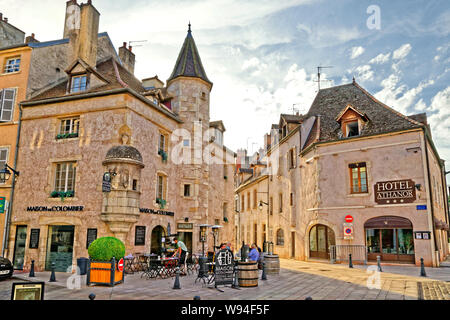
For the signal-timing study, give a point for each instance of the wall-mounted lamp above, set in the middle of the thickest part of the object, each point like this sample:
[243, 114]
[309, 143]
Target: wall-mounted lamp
[418, 186]
[5, 174]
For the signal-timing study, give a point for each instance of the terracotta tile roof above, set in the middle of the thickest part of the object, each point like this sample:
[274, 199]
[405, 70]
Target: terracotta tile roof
[330, 102]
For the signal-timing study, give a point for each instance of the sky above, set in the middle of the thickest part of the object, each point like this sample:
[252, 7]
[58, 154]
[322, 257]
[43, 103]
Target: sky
[262, 56]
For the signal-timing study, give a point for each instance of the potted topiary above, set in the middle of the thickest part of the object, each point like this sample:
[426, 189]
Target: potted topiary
[104, 255]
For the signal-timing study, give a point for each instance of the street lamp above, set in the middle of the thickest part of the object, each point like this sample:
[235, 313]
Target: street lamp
[266, 244]
[215, 232]
[5, 174]
[203, 229]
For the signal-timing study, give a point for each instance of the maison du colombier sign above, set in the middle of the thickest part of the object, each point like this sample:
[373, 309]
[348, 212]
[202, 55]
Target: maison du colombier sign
[395, 192]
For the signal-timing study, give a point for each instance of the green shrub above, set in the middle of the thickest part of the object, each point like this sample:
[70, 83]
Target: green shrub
[106, 248]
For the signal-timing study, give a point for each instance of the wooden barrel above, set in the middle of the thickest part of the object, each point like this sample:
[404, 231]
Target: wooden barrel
[248, 274]
[272, 264]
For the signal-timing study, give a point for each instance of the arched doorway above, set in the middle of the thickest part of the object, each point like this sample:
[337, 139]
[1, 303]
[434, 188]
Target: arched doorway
[391, 238]
[156, 242]
[320, 239]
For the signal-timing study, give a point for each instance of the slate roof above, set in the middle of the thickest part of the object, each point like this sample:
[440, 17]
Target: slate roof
[290, 118]
[331, 101]
[189, 63]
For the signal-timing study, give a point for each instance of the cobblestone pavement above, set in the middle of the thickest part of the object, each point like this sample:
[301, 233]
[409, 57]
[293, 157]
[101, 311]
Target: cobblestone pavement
[297, 280]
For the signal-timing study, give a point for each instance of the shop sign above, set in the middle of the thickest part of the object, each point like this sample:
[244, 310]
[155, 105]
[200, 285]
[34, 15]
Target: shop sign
[185, 226]
[56, 208]
[158, 212]
[106, 185]
[2, 205]
[348, 231]
[395, 192]
[224, 268]
[34, 238]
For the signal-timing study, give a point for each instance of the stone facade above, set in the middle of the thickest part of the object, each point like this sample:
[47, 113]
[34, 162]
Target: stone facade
[322, 197]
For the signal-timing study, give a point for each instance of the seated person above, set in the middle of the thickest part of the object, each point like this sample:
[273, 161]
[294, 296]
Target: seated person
[254, 253]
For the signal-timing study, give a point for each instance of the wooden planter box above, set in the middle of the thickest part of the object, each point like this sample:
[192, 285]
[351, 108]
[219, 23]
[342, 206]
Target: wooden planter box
[104, 273]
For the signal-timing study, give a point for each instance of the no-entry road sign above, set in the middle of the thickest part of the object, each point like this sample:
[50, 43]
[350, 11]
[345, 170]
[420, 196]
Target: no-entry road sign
[348, 219]
[120, 265]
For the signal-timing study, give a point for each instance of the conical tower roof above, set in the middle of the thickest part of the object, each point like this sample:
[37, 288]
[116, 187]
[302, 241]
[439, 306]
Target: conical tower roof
[189, 63]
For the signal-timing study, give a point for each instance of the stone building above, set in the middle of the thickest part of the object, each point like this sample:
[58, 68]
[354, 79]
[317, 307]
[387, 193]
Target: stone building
[352, 176]
[27, 67]
[105, 154]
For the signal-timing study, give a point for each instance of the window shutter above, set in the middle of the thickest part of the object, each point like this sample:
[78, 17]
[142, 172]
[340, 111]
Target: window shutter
[7, 104]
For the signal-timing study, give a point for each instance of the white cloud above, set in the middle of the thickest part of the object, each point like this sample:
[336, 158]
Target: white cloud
[381, 58]
[364, 73]
[402, 52]
[356, 52]
[325, 36]
[440, 121]
[399, 97]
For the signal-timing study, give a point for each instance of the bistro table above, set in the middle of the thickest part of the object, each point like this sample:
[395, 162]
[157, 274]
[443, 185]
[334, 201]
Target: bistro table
[163, 268]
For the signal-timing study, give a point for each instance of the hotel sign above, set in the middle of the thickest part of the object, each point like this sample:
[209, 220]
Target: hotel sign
[395, 192]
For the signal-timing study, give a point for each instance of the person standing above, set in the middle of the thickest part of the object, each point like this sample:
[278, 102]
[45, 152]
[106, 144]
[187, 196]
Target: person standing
[181, 252]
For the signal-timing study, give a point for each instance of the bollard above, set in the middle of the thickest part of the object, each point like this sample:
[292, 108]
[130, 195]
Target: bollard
[176, 284]
[379, 264]
[350, 263]
[31, 275]
[235, 280]
[264, 276]
[197, 298]
[308, 298]
[92, 296]
[53, 276]
[422, 268]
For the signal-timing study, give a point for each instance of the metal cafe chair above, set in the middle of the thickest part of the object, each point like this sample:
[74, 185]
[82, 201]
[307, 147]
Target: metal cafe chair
[153, 269]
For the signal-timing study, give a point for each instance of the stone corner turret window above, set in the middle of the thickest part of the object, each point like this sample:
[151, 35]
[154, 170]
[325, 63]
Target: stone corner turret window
[78, 83]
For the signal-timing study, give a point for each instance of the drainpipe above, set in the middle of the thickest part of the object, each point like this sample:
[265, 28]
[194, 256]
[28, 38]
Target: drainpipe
[430, 192]
[11, 196]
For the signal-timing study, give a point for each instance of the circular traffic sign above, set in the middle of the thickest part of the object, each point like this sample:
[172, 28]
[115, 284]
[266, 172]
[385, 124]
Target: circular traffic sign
[120, 265]
[349, 219]
[348, 231]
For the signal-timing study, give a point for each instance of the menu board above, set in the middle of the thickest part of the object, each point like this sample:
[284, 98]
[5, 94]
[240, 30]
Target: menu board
[139, 239]
[91, 237]
[34, 238]
[224, 270]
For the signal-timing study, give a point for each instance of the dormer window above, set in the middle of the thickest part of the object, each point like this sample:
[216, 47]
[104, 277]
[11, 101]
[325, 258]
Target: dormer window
[352, 121]
[352, 129]
[79, 83]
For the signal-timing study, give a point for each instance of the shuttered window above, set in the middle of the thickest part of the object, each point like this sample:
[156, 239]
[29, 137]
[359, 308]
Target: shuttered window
[7, 97]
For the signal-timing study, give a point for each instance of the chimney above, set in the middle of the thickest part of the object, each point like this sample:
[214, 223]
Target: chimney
[31, 39]
[82, 22]
[1, 16]
[127, 57]
[6, 20]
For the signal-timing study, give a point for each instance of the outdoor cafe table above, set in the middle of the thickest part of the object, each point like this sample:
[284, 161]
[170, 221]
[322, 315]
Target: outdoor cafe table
[165, 267]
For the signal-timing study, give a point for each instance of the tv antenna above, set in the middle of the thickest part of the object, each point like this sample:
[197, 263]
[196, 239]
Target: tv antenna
[319, 70]
[295, 109]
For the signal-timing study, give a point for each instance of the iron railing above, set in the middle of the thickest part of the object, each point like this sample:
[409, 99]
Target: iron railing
[340, 253]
